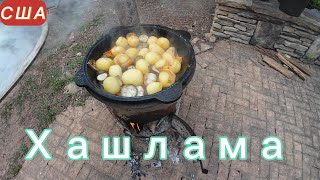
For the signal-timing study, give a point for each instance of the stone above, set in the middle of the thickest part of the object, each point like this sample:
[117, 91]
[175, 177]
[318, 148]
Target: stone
[291, 39]
[282, 47]
[266, 34]
[220, 34]
[306, 44]
[220, 12]
[288, 29]
[71, 88]
[306, 40]
[229, 9]
[195, 40]
[232, 29]
[79, 54]
[314, 50]
[205, 47]
[248, 26]
[242, 28]
[242, 19]
[239, 40]
[228, 19]
[196, 49]
[296, 46]
[233, 34]
[305, 35]
[304, 29]
[209, 37]
[236, 3]
[292, 54]
[216, 25]
[223, 22]
[247, 33]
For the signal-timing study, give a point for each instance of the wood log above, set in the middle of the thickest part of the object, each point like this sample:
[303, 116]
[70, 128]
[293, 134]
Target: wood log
[277, 66]
[291, 66]
[299, 66]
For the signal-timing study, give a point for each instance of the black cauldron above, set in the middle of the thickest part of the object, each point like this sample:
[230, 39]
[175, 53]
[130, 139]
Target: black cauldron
[150, 107]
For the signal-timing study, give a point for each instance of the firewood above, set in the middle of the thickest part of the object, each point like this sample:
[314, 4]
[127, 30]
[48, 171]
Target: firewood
[291, 66]
[277, 66]
[299, 66]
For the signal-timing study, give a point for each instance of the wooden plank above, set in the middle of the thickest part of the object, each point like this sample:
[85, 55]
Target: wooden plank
[277, 66]
[291, 66]
[299, 66]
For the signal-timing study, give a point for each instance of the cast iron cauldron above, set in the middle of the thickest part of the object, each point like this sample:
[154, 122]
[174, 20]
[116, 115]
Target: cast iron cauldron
[146, 108]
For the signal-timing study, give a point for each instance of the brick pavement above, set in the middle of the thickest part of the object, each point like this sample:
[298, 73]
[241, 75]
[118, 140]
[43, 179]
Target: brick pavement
[231, 94]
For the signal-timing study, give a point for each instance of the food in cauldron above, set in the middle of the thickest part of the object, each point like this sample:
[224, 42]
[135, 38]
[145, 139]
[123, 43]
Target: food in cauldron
[137, 66]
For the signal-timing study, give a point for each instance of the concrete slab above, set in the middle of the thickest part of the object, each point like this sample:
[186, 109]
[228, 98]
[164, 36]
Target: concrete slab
[18, 47]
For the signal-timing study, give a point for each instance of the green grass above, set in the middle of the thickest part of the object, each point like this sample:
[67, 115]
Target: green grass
[75, 62]
[316, 3]
[7, 111]
[15, 167]
[45, 114]
[93, 23]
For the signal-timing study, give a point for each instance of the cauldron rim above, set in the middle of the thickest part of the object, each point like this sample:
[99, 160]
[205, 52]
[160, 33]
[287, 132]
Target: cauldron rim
[168, 95]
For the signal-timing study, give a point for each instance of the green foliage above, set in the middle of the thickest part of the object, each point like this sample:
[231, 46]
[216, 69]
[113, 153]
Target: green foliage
[316, 3]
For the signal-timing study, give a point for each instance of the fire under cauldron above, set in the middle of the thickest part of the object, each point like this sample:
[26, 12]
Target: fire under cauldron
[140, 110]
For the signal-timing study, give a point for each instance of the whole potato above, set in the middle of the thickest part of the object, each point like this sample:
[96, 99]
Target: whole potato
[167, 78]
[132, 52]
[123, 60]
[143, 52]
[152, 57]
[117, 50]
[143, 66]
[133, 41]
[115, 70]
[103, 64]
[121, 41]
[175, 67]
[152, 40]
[164, 43]
[132, 77]
[154, 87]
[161, 64]
[156, 48]
[168, 57]
[111, 85]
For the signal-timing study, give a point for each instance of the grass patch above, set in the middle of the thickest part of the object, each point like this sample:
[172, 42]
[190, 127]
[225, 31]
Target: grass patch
[45, 114]
[75, 62]
[93, 23]
[7, 111]
[15, 166]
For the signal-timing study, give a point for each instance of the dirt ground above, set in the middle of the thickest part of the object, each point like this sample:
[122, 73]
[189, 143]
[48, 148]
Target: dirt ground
[40, 94]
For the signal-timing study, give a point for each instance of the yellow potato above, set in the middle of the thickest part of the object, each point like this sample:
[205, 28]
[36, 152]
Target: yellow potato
[111, 85]
[175, 67]
[123, 60]
[154, 87]
[132, 52]
[143, 66]
[121, 41]
[156, 48]
[103, 64]
[117, 50]
[168, 57]
[164, 43]
[132, 77]
[143, 52]
[152, 57]
[115, 70]
[133, 41]
[161, 64]
[172, 51]
[152, 40]
[130, 34]
[167, 78]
